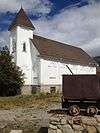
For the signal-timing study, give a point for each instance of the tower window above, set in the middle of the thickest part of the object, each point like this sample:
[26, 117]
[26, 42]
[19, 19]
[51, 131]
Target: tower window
[14, 47]
[24, 47]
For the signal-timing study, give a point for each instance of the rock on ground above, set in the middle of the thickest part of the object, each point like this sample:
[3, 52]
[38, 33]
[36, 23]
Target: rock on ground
[16, 131]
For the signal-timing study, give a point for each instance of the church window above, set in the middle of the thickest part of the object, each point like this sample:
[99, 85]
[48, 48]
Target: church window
[14, 47]
[24, 47]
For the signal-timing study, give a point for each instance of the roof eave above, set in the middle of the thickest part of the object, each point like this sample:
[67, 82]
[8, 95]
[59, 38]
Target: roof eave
[11, 27]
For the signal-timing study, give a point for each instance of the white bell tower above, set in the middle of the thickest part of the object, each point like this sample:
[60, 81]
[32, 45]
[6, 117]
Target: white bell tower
[21, 31]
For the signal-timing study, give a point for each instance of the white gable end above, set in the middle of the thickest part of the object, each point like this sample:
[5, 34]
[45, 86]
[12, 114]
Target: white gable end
[51, 71]
[35, 65]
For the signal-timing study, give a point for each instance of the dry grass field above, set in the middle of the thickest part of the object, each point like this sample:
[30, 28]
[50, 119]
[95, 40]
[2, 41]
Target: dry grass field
[39, 101]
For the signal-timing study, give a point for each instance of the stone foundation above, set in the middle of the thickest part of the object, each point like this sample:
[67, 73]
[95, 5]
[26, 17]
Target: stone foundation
[26, 90]
[62, 123]
[35, 89]
[30, 89]
[47, 88]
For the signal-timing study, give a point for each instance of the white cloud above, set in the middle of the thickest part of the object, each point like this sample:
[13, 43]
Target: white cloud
[93, 47]
[4, 38]
[37, 6]
[76, 26]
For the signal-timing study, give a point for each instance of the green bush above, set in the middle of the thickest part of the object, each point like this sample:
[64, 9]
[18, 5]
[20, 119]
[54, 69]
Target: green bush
[11, 77]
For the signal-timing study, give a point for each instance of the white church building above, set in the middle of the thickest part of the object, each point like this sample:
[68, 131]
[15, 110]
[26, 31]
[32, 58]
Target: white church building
[44, 61]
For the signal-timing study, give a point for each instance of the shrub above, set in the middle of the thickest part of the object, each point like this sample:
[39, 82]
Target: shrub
[11, 77]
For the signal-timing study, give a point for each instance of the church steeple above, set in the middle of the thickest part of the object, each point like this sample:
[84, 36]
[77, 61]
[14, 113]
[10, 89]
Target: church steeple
[21, 19]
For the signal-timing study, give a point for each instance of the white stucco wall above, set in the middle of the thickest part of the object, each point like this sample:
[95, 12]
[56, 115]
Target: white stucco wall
[35, 65]
[23, 59]
[51, 72]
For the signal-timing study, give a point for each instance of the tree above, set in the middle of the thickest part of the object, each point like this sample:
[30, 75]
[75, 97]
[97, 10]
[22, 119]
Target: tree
[11, 77]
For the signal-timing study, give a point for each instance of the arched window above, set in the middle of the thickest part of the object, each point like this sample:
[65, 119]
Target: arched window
[24, 47]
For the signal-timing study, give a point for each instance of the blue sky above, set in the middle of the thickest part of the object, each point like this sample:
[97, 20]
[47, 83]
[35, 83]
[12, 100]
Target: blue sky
[76, 22]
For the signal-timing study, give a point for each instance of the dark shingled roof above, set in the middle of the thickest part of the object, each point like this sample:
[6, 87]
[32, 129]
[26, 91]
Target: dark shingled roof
[57, 50]
[21, 19]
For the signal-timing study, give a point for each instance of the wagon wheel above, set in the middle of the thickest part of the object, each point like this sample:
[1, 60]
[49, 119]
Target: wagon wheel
[92, 110]
[74, 110]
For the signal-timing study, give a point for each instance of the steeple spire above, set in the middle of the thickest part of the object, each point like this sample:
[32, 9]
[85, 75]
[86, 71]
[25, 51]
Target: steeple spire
[21, 19]
[21, 6]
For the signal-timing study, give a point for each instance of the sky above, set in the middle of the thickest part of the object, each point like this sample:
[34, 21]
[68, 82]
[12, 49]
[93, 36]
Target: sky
[74, 22]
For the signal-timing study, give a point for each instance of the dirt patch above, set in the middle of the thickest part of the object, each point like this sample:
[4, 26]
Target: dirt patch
[27, 113]
[30, 120]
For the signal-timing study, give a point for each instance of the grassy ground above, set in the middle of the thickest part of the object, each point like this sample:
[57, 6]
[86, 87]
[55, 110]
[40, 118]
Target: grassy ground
[30, 101]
